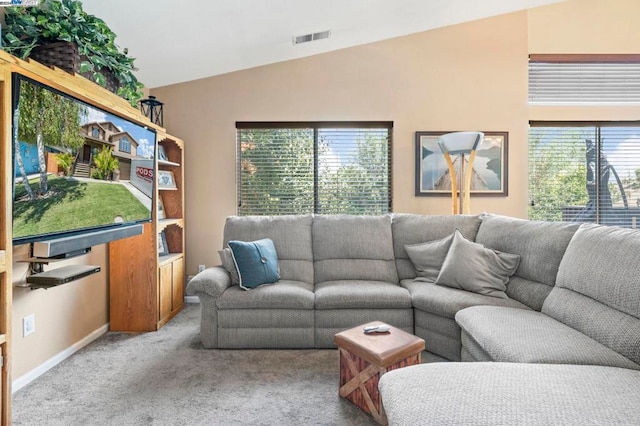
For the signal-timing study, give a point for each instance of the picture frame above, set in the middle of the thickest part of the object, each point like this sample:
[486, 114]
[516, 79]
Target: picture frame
[162, 154]
[161, 212]
[166, 180]
[491, 166]
[163, 248]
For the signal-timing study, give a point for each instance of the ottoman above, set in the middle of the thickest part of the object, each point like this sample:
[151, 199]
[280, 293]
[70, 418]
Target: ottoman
[364, 358]
[496, 393]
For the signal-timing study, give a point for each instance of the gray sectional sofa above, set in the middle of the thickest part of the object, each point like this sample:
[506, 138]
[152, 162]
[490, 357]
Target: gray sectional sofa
[572, 312]
[572, 360]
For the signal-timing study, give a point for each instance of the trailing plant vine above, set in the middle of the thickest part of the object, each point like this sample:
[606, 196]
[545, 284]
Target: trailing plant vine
[65, 20]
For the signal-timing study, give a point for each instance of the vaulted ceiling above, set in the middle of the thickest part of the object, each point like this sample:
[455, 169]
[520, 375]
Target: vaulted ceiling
[175, 42]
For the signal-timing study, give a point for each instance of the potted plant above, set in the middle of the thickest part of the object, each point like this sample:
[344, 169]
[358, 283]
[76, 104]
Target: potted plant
[65, 26]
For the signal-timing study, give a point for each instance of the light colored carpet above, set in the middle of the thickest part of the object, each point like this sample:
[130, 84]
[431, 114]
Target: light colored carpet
[168, 378]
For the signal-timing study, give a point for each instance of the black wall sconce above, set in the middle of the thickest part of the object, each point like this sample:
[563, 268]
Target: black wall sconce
[152, 108]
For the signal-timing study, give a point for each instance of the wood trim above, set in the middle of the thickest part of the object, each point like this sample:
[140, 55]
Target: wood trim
[6, 281]
[574, 123]
[77, 87]
[314, 124]
[585, 58]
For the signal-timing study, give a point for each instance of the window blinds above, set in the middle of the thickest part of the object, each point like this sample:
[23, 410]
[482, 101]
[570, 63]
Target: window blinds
[585, 173]
[296, 168]
[584, 80]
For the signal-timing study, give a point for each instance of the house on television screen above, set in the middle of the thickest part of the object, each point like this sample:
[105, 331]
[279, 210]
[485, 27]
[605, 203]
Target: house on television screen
[100, 134]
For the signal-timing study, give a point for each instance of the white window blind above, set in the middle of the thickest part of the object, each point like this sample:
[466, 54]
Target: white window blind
[584, 80]
[325, 168]
[585, 173]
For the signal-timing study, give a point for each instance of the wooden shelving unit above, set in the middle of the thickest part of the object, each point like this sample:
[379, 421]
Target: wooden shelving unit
[146, 288]
[140, 275]
[171, 266]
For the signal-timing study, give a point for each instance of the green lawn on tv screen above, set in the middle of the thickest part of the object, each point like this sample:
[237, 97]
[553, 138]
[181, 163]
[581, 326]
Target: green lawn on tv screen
[71, 204]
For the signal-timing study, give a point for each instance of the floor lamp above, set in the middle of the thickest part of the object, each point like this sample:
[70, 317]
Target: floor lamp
[460, 143]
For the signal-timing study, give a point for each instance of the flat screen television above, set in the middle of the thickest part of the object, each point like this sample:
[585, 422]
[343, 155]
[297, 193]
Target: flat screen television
[76, 168]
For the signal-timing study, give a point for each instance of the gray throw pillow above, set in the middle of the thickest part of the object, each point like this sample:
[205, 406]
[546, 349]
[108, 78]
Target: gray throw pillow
[227, 263]
[472, 267]
[427, 258]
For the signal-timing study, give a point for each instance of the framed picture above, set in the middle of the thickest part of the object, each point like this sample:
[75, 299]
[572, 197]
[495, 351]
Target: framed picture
[490, 168]
[162, 154]
[163, 248]
[166, 179]
[161, 213]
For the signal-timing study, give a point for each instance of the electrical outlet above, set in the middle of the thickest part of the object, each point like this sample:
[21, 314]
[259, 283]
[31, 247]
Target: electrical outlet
[28, 325]
[201, 268]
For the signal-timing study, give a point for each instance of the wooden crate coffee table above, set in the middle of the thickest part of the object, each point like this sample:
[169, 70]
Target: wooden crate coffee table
[364, 358]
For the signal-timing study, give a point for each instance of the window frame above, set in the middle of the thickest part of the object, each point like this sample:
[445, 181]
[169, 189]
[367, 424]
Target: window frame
[124, 140]
[597, 125]
[316, 126]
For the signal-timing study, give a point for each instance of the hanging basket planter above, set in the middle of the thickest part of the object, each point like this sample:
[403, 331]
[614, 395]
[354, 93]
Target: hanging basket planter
[65, 56]
[60, 33]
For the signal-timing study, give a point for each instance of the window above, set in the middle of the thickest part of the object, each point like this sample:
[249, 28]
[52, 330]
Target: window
[325, 168]
[585, 172]
[125, 145]
[584, 79]
[95, 132]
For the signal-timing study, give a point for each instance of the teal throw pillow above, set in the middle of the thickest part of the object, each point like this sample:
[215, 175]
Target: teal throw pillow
[256, 262]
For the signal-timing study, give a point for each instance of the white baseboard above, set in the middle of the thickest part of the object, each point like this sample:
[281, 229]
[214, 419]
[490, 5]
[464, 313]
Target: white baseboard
[191, 299]
[24, 380]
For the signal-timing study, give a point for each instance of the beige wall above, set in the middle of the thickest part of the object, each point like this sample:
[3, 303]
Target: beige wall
[471, 76]
[64, 314]
[585, 26]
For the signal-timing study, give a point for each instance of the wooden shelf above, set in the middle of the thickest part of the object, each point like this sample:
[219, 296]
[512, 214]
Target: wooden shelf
[168, 163]
[147, 290]
[168, 258]
[163, 223]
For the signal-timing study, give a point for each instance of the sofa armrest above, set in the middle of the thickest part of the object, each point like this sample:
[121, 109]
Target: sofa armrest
[212, 281]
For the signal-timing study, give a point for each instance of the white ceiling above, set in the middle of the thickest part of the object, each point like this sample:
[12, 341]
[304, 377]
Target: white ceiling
[175, 41]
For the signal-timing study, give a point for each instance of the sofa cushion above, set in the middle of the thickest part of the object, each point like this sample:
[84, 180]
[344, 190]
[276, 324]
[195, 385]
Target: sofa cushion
[359, 294]
[328, 322]
[472, 267]
[291, 235]
[353, 248]
[510, 394]
[285, 294]
[540, 245]
[414, 229]
[516, 335]
[427, 258]
[598, 288]
[446, 301]
[256, 262]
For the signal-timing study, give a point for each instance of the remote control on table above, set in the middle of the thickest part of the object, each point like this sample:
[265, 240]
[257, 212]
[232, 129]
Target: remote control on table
[381, 328]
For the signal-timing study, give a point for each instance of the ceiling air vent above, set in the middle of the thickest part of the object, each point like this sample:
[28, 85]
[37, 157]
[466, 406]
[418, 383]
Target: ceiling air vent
[311, 37]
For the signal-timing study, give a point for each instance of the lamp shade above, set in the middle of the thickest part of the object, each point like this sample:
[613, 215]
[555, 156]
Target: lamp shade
[460, 142]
